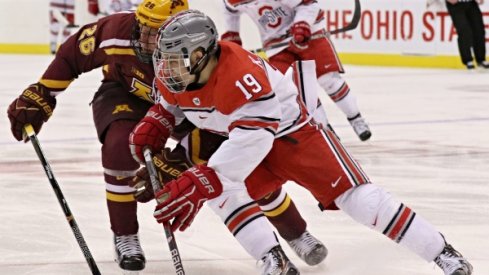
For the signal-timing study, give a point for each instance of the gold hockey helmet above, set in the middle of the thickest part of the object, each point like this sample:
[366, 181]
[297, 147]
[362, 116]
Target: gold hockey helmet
[150, 15]
[153, 13]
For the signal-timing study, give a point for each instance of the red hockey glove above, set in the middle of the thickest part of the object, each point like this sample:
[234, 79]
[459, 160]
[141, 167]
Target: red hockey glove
[233, 37]
[152, 132]
[35, 106]
[181, 199]
[93, 7]
[168, 167]
[301, 33]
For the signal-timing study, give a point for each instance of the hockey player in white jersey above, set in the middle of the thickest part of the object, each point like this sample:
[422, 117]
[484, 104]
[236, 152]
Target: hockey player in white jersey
[302, 23]
[271, 138]
[61, 22]
[196, 146]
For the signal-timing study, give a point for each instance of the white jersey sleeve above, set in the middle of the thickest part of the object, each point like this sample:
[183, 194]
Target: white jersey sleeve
[247, 146]
[238, 156]
[231, 18]
[307, 13]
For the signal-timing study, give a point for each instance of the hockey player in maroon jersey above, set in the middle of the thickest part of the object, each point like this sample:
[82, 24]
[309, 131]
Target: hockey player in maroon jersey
[122, 44]
[301, 23]
[220, 87]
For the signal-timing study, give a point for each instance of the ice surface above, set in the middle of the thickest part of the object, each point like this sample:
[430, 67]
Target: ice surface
[430, 148]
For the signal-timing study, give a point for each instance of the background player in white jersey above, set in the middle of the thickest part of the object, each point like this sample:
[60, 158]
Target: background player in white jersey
[106, 7]
[270, 139]
[302, 23]
[61, 21]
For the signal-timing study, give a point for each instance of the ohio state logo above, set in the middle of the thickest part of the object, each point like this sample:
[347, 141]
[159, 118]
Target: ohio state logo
[271, 17]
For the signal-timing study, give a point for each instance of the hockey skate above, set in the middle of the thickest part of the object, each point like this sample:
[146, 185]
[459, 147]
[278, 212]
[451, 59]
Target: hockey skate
[275, 262]
[452, 262]
[309, 249]
[128, 253]
[53, 47]
[483, 65]
[360, 127]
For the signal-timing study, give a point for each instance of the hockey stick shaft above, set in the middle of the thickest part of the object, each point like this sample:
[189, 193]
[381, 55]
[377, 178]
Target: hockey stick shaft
[170, 237]
[31, 134]
[357, 14]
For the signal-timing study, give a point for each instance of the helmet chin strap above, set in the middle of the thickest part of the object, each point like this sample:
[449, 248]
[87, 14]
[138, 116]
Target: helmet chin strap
[200, 65]
[197, 69]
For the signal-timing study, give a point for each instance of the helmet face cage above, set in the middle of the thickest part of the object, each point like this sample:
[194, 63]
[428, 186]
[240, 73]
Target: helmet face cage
[173, 70]
[178, 38]
[143, 41]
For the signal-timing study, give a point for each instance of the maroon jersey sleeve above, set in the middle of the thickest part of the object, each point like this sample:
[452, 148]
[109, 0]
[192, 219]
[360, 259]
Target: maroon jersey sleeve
[88, 49]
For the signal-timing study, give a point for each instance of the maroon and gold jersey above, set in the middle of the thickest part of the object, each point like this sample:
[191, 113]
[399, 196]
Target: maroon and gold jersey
[107, 44]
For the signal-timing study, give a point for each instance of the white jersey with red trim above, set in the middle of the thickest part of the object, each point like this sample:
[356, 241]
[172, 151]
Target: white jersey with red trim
[113, 6]
[65, 6]
[273, 17]
[246, 99]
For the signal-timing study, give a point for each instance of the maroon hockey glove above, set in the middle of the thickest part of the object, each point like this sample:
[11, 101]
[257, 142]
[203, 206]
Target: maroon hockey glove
[35, 106]
[152, 132]
[233, 37]
[301, 33]
[168, 167]
[93, 7]
[180, 200]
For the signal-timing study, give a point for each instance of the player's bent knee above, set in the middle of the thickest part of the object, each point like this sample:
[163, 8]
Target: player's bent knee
[331, 82]
[370, 205]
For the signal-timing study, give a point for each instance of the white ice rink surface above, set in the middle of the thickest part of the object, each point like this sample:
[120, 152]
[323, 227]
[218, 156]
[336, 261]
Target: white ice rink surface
[430, 148]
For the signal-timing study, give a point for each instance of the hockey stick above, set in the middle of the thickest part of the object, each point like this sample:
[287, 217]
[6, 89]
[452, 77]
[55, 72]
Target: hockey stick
[357, 14]
[31, 134]
[170, 238]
